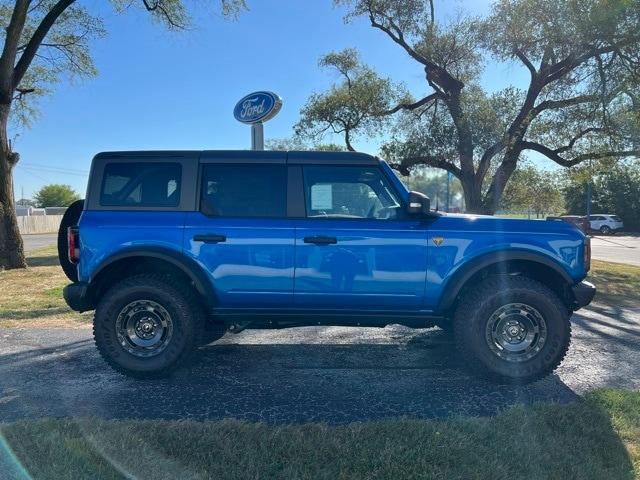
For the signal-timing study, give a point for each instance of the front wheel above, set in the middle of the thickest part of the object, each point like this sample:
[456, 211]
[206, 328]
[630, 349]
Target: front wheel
[146, 326]
[605, 230]
[512, 329]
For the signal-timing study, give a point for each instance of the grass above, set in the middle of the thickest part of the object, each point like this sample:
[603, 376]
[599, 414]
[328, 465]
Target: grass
[618, 284]
[596, 438]
[33, 297]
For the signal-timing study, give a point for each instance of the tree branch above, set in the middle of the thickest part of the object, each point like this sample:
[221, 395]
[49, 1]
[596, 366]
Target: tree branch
[555, 156]
[527, 63]
[37, 38]
[405, 165]
[10, 49]
[157, 6]
[568, 102]
[414, 105]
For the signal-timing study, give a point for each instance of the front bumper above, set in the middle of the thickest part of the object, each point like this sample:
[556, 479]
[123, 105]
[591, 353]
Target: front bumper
[77, 297]
[583, 293]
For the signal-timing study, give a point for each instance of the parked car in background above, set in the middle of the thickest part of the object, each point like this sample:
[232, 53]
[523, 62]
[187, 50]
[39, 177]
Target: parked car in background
[579, 221]
[605, 224]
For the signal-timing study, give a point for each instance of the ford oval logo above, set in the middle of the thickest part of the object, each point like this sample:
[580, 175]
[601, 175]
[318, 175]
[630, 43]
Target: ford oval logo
[257, 107]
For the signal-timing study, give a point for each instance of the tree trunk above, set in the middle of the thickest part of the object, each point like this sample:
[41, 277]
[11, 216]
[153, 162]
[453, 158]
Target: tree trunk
[11, 249]
[472, 194]
[499, 182]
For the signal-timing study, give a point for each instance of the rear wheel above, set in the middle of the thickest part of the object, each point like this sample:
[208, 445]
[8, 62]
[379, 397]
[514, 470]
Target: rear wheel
[512, 329]
[147, 326]
[605, 230]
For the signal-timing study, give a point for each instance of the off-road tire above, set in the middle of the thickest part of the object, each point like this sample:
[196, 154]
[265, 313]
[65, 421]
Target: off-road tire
[475, 310]
[69, 219]
[179, 301]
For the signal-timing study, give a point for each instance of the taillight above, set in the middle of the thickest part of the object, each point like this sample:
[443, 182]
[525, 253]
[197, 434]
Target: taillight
[587, 254]
[73, 241]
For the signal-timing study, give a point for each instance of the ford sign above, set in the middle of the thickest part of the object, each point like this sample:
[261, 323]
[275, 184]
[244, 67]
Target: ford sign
[257, 107]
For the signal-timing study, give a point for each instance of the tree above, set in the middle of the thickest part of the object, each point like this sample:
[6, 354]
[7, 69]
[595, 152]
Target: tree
[45, 41]
[296, 143]
[55, 195]
[583, 62]
[433, 183]
[616, 190]
[357, 104]
[533, 191]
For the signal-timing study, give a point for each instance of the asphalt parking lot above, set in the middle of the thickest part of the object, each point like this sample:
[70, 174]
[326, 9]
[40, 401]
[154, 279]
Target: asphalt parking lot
[326, 374]
[617, 248]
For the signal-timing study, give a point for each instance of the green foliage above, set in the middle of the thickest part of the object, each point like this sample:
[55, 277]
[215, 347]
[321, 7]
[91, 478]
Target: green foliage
[615, 190]
[55, 195]
[64, 54]
[296, 143]
[582, 102]
[433, 183]
[531, 190]
[593, 438]
[353, 106]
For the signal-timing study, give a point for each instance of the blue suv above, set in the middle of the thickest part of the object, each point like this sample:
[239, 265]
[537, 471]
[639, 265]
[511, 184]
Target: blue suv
[173, 249]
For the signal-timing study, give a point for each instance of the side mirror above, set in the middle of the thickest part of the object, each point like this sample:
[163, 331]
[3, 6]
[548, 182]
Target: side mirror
[419, 204]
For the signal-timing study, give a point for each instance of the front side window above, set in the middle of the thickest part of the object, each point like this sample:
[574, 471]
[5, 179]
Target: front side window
[349, 192]
[244, 190]
[141, 185]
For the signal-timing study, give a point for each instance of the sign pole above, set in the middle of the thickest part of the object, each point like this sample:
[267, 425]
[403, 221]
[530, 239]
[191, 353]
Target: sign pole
[257, 136]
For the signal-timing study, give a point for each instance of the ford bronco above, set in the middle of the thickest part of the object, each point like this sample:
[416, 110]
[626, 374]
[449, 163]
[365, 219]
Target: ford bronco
[173, 249]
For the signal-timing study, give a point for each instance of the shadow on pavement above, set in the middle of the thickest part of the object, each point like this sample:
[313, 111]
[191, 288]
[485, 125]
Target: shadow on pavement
[46, 261]
[275, 383]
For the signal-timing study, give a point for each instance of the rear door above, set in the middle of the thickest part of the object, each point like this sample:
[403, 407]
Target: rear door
[355, 247]
[241, 233]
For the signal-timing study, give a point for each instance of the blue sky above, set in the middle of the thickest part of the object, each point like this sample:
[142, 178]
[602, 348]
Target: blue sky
[163, 90]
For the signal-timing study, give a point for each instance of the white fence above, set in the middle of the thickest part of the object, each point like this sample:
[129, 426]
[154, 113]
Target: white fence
[39, 224]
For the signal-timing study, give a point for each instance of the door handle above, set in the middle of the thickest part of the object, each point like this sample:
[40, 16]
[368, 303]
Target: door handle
[320, 240]
[210, 238]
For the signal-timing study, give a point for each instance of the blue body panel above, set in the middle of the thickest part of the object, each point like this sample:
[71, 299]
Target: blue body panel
[108, 233]
[375, 264]
[468, 237]
[253, 267]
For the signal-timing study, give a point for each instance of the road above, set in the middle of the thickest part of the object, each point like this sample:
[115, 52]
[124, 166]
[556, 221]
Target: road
[617, 248]
[327, 374]
[36, 241]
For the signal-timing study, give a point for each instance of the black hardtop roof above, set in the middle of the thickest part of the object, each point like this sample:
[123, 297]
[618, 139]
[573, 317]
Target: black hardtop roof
[251, 156]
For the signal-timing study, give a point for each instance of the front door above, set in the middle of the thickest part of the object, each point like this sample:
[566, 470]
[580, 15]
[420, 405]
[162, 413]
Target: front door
[242, 236]
[356, 248]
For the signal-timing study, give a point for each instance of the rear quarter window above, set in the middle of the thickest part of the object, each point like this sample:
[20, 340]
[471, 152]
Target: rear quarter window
[127, 184]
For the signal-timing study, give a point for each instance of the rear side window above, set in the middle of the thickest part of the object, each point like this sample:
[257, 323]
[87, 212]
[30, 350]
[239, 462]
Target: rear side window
[141, 185]
[616, 218]
[237, 190]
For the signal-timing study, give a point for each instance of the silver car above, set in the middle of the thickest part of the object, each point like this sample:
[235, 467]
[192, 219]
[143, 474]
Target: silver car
[605, 223]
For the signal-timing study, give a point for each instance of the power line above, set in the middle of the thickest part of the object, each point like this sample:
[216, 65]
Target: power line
[61, 171]
[38, 166]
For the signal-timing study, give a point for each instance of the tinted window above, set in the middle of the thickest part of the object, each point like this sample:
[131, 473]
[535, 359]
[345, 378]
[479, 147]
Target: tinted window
[616, 218]
[349, 192]
[244, 190]
[141, 184]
